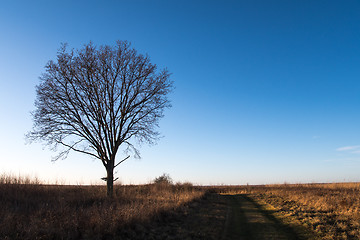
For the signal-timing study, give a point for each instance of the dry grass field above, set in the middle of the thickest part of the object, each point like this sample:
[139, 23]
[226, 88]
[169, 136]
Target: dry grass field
[31, 210]
[329, 211]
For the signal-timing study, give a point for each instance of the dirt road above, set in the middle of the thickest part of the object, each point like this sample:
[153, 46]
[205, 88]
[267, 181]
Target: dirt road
[219, 217]
[248, 220]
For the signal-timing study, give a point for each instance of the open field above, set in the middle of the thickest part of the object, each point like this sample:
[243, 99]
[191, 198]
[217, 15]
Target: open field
[181, 211]
[325, 211]
[33, 211]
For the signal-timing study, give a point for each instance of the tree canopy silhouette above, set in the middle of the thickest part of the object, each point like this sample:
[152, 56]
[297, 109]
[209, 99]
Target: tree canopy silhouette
[97, 99]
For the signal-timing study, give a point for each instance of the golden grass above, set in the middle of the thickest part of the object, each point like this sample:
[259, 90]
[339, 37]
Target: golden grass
[331, 211]
[31, 210]
[13, 179]
[34, 211]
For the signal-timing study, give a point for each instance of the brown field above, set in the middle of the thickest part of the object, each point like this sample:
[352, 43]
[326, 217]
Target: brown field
[329, 211]
[30, 210]
[35, 211]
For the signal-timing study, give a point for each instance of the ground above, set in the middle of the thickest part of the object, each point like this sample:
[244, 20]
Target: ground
[223, 216]
[180, 211]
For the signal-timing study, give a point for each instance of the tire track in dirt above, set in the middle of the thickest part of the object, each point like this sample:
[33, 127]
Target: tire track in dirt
[247, 220]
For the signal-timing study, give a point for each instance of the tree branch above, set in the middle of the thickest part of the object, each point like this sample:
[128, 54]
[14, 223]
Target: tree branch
[121, 161]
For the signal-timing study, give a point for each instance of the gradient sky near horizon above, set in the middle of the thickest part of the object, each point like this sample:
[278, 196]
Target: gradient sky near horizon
[266, 91]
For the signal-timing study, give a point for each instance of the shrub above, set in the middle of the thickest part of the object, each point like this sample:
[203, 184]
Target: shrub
[164, 179]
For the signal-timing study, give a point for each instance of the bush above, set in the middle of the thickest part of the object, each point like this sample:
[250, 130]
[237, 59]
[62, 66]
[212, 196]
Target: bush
[163, 179]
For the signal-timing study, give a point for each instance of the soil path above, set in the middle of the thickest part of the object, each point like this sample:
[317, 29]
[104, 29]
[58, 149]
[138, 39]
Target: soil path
[248, 220]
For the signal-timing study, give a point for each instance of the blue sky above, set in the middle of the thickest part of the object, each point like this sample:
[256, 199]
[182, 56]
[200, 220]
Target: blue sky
[266, 91]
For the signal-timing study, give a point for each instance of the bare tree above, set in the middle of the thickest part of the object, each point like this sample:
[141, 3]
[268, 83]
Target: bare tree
[97, 99]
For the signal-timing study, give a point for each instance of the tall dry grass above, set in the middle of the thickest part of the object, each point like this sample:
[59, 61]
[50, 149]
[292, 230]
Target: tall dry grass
[7, 178]
[332, 211]
[35, 211]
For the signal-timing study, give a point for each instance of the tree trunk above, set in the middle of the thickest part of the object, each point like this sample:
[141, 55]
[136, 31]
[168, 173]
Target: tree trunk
[110, 182]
